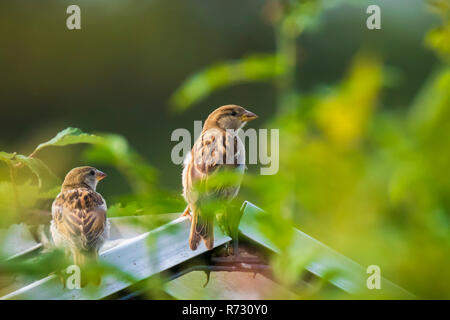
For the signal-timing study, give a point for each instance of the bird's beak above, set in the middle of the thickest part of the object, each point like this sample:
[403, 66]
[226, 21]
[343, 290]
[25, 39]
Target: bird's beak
[248, 116]
[100, 175]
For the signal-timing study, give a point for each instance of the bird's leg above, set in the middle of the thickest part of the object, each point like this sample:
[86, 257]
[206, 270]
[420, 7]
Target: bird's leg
[234, 228]
[187, 212]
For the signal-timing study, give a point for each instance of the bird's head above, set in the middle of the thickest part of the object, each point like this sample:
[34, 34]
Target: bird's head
[229, 117]
[86, 177]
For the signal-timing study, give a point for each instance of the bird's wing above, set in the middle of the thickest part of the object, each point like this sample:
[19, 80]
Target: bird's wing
[80, 217]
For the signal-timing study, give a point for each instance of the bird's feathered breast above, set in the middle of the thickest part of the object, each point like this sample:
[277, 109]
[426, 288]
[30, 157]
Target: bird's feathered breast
[214, 151]
[79, 216]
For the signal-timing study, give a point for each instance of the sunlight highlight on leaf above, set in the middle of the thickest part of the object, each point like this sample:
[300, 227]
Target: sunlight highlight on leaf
[254, 68]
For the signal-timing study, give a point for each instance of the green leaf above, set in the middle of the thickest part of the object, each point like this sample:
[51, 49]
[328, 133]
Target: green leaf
[254, 68]
[70, 136]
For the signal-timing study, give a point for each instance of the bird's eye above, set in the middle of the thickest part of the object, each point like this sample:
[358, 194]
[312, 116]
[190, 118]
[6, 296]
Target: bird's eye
[92, 172]
[233, 113]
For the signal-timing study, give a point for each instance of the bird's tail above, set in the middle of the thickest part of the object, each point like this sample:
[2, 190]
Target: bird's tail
[202, 228]
[87, 260]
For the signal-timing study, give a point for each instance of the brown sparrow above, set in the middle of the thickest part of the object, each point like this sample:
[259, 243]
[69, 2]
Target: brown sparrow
[218, 149]
[79, 223]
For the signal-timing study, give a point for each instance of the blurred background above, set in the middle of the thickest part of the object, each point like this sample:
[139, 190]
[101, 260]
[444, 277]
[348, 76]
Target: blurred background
[363, 114]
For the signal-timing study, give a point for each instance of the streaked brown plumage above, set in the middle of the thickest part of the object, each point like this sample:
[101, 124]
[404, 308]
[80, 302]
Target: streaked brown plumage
[79, 222]
[218, 149]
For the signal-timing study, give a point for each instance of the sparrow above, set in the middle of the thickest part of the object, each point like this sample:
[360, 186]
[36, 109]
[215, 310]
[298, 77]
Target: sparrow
[79, 223]
[218, 149]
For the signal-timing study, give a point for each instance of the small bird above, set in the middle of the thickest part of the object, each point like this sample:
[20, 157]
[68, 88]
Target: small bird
[217, 150]
[79, 223]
